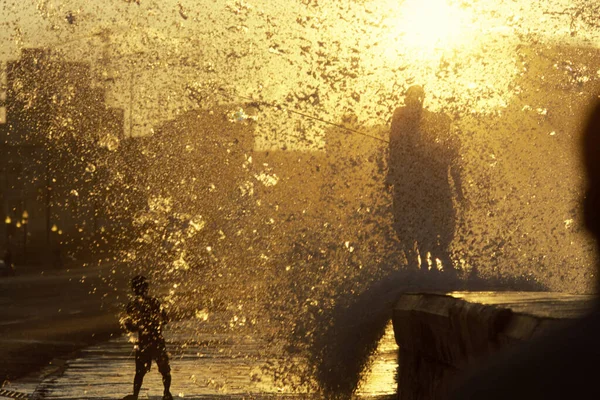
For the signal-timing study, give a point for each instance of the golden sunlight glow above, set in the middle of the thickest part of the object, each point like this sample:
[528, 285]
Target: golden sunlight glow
[429, 25]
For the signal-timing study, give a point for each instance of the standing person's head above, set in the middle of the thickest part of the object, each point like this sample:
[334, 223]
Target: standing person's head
[139, 285]
[414, 96]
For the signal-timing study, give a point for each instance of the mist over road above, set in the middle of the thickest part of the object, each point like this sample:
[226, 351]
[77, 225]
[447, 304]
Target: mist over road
[44, 314]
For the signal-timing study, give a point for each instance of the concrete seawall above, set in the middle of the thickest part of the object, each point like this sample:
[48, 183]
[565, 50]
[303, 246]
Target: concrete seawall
[442, 335]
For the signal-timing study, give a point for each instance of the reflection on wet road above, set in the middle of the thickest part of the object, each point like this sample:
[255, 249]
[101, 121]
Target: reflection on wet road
[206, 363]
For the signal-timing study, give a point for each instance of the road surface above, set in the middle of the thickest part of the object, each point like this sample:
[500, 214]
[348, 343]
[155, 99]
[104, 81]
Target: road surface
[206, 363]
[45, 313]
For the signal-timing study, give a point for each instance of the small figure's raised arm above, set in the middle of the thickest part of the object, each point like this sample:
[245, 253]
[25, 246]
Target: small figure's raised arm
[128, 324]
[164, 316]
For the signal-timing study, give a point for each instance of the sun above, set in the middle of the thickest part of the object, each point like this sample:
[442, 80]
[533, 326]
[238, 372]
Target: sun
[429, 25]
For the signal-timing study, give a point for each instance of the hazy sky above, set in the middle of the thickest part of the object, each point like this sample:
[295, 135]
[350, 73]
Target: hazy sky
[326, 60]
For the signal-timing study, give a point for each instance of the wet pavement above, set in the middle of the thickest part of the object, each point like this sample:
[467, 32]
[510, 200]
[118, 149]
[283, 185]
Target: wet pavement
[45, 313]
[206, 361]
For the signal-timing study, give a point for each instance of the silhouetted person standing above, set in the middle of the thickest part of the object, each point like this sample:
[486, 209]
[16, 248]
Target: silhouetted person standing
[422, 158]
[563, 364]
[146, 317]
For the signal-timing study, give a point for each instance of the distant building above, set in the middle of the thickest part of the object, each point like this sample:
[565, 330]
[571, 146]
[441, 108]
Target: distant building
[54, 124]
[194, 173]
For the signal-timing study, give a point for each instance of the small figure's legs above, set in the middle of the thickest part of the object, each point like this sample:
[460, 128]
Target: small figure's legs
[137, 383]
[165, 370]
[143, 360]
[167, 384]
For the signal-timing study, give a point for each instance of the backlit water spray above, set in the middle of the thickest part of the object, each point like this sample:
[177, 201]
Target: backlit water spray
[250, 183]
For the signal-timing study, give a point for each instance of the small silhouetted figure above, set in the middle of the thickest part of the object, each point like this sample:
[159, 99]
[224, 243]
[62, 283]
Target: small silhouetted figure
[146, 317]
[562, 364]
[423, 170]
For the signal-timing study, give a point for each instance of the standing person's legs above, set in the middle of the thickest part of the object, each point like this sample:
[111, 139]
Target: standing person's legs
[422, 233]
[426, 254]
[447, 263]
[442, 249]
[407, 245]
[403, 226]
[412, 257]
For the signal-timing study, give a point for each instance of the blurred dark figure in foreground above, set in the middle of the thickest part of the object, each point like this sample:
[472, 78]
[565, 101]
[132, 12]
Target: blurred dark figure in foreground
[146, 317]
[422, 157]
[562, 364]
